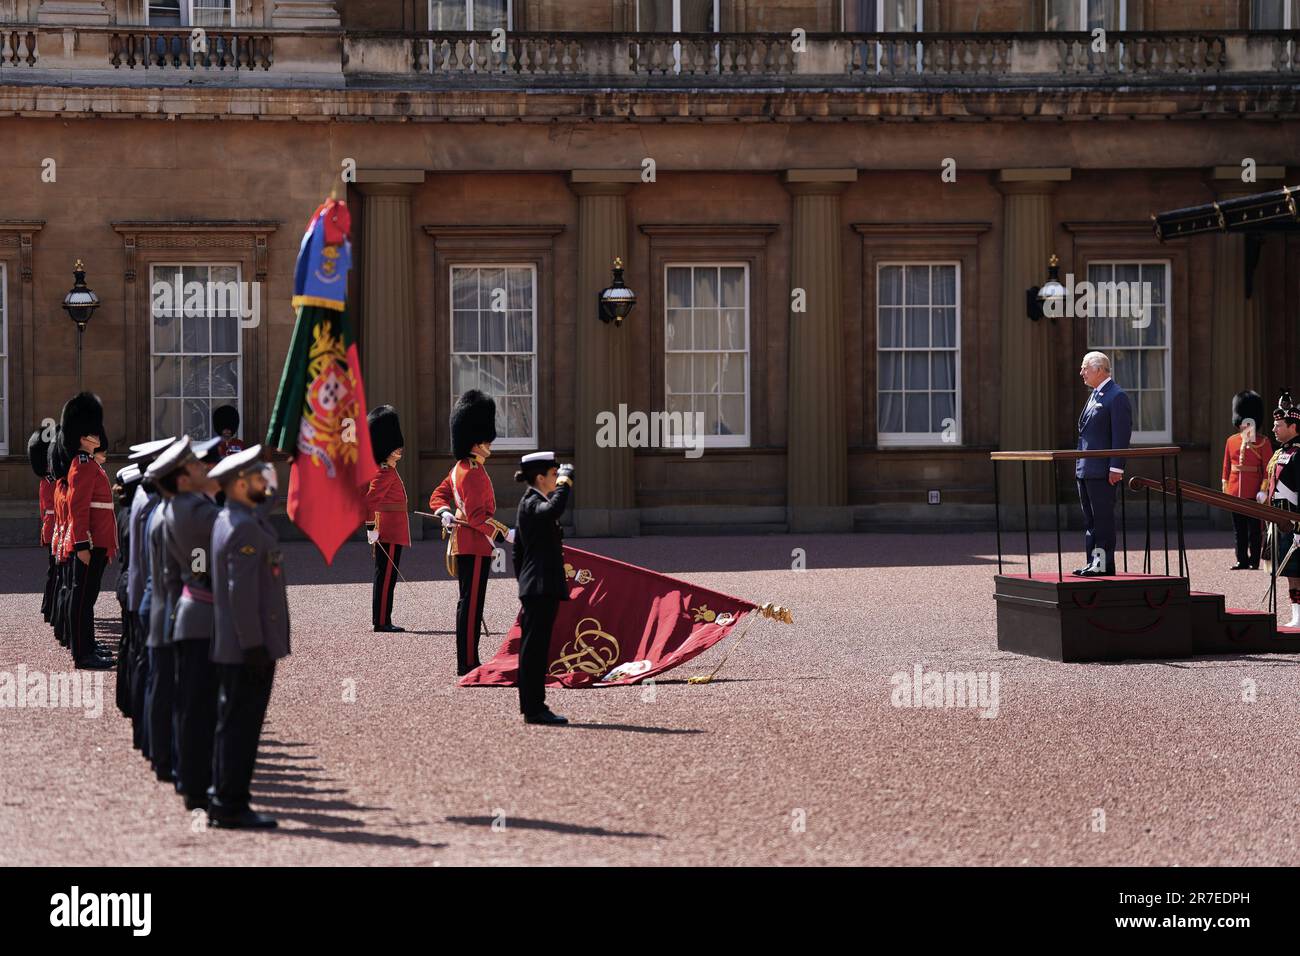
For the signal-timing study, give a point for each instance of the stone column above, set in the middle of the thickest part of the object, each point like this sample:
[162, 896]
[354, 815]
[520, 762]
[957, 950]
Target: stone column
[1237, 335]
[817, 452]
[388, 310]
[1028, 376]
[605, 495]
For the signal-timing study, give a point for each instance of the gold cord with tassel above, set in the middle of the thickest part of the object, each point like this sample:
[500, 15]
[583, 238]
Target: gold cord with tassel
[769, 610]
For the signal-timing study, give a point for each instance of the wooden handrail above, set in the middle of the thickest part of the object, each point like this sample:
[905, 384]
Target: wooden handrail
[1217, 499]
[1069, 454]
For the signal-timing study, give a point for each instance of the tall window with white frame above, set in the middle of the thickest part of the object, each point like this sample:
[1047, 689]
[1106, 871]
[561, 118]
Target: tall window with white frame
[197, 354]
[1084, 16]
[185, 13]
[1136, 337]
[706, 349]
[494, 344]
[882, 16]
[4, 360]
[1272, 14]
[677, 16]
[918, 351]
[476, 15]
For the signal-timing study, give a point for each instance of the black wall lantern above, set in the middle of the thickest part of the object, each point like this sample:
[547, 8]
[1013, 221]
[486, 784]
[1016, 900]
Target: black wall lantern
[618, 300]
[1037, 296]
[80, 303]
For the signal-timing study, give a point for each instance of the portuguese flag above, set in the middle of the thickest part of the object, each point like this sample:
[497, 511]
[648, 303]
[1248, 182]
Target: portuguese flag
[319, 418]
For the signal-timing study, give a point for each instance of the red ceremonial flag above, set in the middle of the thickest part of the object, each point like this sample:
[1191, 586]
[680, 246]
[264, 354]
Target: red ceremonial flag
[319, 418]
[623, 617]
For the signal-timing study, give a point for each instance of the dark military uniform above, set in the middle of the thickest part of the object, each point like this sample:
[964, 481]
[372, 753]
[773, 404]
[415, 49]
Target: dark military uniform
[1283, 477]
[164, 592]
[251, 616]
[539, 566]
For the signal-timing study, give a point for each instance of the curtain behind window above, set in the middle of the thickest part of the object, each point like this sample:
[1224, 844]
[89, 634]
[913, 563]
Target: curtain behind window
[1268, 14]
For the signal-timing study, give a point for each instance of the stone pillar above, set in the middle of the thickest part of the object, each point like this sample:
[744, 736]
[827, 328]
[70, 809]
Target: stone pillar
[388, 310]
[1237, 335]
[605, 495]
[817, 447]
[1029, 366]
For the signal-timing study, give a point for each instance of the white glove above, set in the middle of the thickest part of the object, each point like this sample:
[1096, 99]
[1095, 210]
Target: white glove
[565, 471]
[272, 479]
[1260, 496]
[372, 536]
[448, 519]
[510, 536]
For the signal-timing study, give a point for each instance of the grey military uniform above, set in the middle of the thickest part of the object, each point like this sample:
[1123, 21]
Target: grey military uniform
[165, 579]
[248, 587]
[138, 572]
[189, 519]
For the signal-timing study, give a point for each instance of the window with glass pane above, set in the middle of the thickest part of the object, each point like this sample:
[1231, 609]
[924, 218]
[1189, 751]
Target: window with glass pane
[918, 326]
[212, 13]
[482, 15]
[1086, 15]
[888, 16]
[4, 360]
[493, 344]
[1270, 15]
[706, 348]
[196, 361]
[677, 16]
[1138, 348]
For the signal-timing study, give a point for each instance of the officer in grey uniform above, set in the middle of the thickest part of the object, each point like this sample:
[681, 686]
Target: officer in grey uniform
[165, 592]
[138, 595]
[188, 517]
[252, 632]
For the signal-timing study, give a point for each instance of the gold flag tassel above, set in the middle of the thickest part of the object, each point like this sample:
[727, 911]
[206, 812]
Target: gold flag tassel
[769, 610]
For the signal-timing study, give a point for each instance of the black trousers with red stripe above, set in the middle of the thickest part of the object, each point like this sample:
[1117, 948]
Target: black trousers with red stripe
[86, 579]
[51, 587]
[388, 558]
[472, 571]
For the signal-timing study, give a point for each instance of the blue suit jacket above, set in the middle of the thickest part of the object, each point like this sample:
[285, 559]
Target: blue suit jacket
[1106, 422]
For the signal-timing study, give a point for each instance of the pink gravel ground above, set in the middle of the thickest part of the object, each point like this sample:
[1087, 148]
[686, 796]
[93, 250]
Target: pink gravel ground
[794, 756]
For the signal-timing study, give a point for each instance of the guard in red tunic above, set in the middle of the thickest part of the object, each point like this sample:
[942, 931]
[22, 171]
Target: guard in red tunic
[465, 503]
[225, 426]
[387, 521]
[38, 453]
[92, 524]
[60, 461]
[1244, 456]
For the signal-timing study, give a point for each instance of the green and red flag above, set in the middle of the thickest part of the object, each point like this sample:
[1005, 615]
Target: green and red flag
[319, 418]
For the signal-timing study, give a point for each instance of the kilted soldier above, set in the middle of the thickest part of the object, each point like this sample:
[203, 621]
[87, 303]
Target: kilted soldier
[465, 503]
[38, 453]
[189, 515]
[91, 522]
[251, 617]
[387, 522]
[1244, 456]
[225, 428]
[539, 566]
[138, 586]
[125, 484]
[1283, 491]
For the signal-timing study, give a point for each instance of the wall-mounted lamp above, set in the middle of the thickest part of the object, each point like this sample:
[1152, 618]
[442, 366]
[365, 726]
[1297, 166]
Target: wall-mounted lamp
[1037, 296]
[618, 300]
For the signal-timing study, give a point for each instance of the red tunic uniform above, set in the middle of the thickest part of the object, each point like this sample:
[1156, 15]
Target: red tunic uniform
[387, 508]
[1243, 465]
[58, 534]
[92, 523]
[47, 511]
[229, 446]
[467, 492]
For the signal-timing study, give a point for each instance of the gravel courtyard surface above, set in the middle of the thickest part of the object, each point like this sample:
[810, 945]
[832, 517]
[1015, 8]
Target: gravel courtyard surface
[795, 755]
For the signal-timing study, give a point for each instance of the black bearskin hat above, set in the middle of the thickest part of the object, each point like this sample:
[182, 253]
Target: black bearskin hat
[385, 432]
[1245, 405]
[60, 458]
[83, 415]
[38, 450]
[225, 418]
[473, 420]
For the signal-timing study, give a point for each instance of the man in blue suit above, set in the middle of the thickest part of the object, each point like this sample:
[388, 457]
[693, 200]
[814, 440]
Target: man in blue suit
[1106, 422]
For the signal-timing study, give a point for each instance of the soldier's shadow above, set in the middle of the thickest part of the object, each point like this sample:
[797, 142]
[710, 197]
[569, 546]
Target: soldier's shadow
[291, 786]
[552, 826]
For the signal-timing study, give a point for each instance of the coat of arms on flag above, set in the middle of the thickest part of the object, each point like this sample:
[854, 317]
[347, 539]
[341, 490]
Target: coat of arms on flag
[319, 417]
